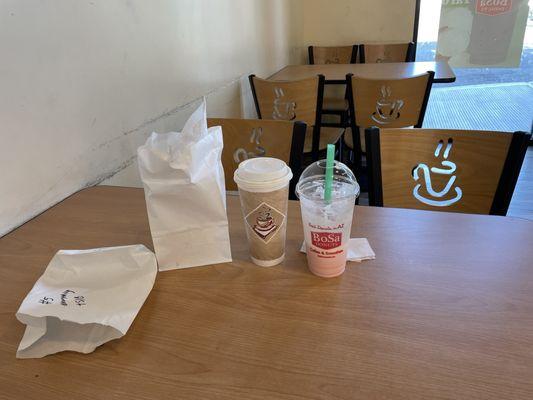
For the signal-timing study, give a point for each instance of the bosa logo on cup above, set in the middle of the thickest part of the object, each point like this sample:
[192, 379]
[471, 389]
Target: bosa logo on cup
[493, 7]
[326, 240]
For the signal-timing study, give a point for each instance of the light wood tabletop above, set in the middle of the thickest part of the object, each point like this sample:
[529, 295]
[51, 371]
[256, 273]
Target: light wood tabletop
[444, 312]
[336, 73]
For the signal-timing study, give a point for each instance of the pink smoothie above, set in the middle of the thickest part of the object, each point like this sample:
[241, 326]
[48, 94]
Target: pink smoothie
[326, 263]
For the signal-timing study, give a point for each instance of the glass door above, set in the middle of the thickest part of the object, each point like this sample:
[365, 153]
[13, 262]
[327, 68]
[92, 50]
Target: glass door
[486, 97]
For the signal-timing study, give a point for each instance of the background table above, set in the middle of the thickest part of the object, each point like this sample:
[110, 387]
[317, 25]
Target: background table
[444, 312]
[336, 73]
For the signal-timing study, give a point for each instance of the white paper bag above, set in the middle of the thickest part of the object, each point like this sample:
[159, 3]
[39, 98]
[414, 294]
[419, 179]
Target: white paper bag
[185, 194]
[85, 298]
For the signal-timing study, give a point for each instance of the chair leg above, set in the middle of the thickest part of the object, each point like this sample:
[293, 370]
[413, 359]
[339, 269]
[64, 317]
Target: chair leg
[344, 119]
[340, 148]
[357, 159]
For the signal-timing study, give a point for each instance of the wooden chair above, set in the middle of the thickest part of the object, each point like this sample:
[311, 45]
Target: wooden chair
[444, 170]
[247, 138]
[387, 53]
[391, 103]
[296, 101]
[335, 102]
[332, 55]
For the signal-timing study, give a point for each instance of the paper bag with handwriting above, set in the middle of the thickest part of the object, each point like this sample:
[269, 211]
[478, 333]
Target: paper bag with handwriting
[85, 298]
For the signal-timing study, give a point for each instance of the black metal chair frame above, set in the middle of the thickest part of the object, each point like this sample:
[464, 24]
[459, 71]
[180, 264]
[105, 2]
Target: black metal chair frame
[343, 115]
[356, 138]
[296, 160]
[318, 115]
[506, 184]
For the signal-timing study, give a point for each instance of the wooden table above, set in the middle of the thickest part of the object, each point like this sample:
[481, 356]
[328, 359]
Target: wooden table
[336, 73]
[444, 312]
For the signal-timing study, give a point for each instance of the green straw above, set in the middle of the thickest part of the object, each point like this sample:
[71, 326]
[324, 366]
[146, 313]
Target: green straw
[330, 162]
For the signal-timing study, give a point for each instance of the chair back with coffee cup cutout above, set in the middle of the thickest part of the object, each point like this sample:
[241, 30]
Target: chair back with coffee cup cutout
[250, 138]
[444, 170]
[299, 100]
[387, 103]
[386, 52]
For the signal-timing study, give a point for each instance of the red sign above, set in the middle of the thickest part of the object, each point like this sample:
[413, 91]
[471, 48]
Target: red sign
[493, 7]
[326, 240]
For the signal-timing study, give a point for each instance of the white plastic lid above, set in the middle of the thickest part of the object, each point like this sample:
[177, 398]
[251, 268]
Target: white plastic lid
[262, 174]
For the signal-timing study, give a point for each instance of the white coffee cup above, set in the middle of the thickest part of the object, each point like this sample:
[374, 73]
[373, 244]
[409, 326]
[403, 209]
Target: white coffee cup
[264, 191]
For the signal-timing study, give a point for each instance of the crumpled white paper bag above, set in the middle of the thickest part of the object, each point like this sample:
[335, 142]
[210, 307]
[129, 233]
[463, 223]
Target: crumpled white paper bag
[85, 298]
[185, 195]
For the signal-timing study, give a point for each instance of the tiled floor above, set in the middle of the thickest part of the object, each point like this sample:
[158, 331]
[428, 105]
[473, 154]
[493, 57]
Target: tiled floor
[496, 107]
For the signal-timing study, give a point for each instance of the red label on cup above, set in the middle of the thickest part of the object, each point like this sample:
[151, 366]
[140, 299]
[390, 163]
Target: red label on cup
[493, 7]
[326, 240]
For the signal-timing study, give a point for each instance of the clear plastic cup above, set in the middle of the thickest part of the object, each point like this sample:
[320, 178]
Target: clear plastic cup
[327, 225]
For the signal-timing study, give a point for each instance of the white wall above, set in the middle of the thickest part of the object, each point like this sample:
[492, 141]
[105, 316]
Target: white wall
[348, 22]
[84, 83]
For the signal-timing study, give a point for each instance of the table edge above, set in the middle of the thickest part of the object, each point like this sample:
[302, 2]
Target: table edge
[342, 82]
